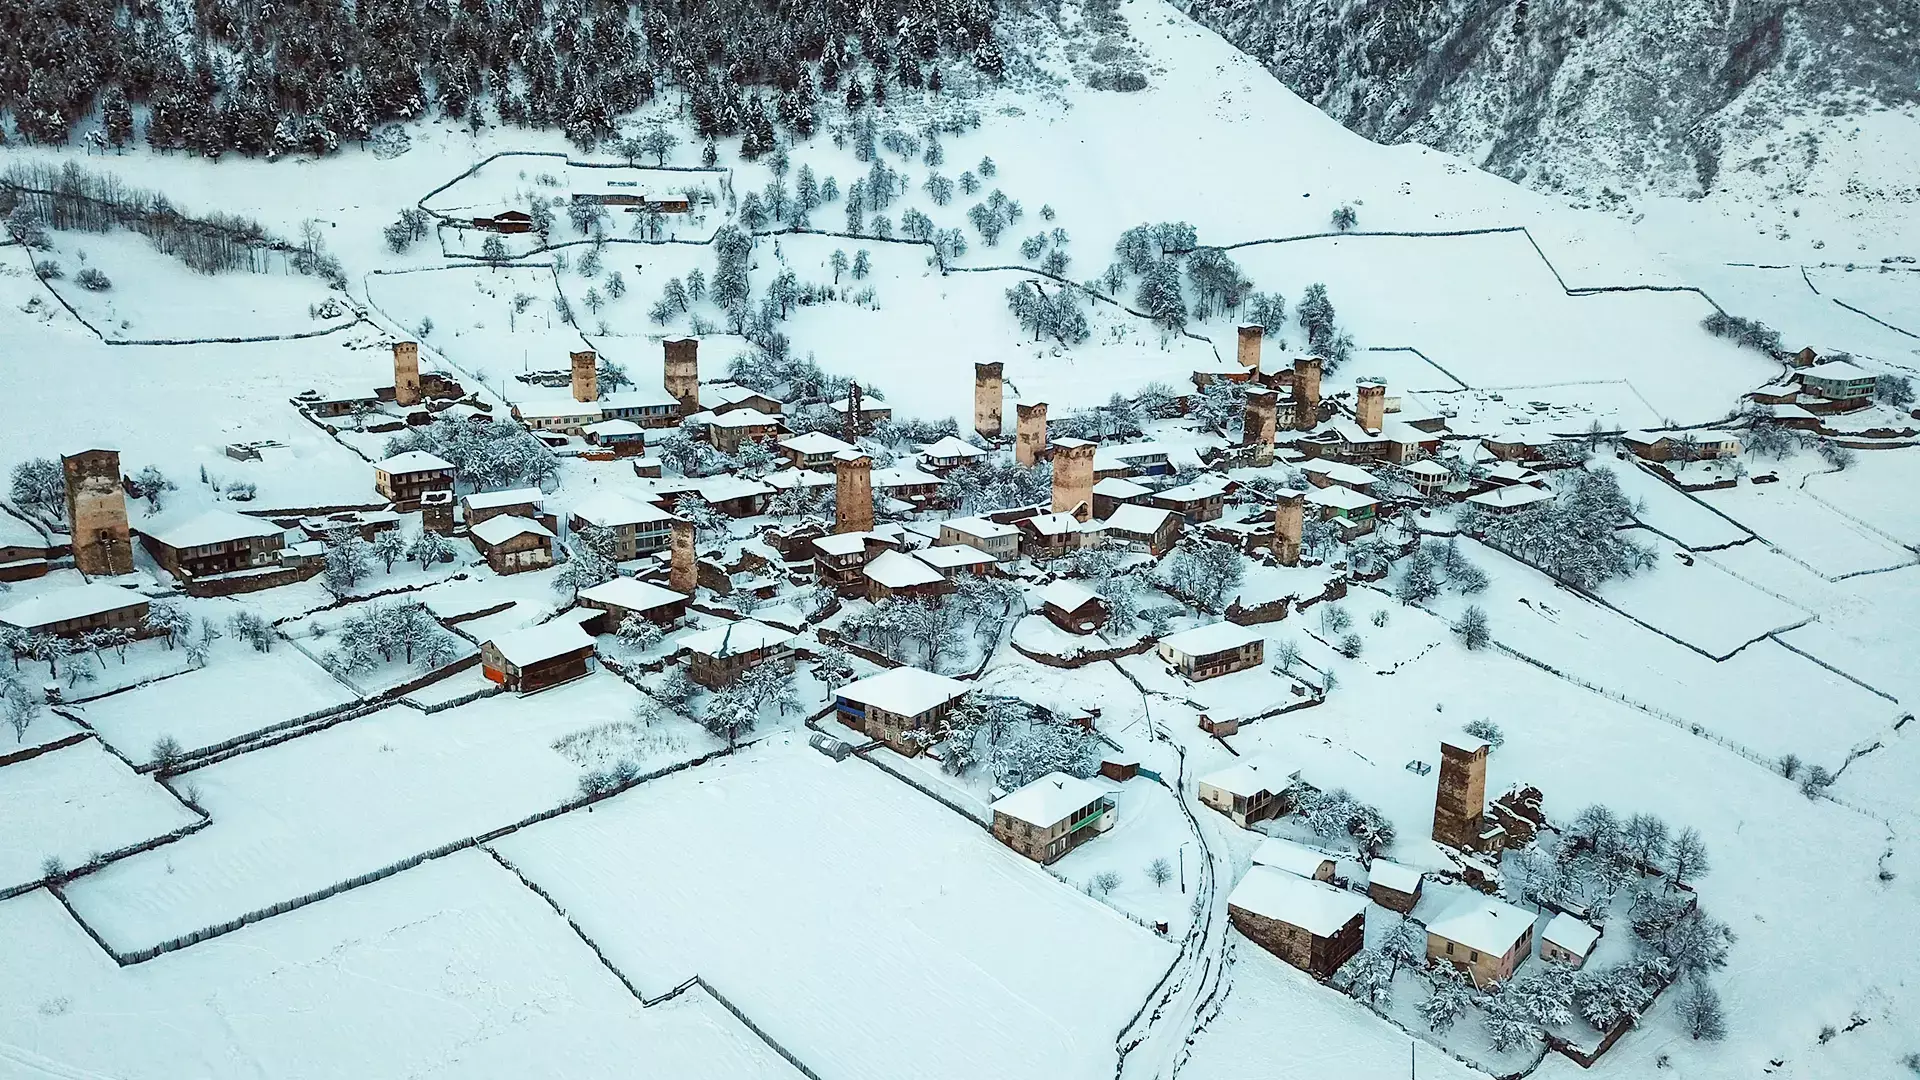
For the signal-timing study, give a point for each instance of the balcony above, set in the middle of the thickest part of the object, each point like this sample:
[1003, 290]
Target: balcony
[1094, 815]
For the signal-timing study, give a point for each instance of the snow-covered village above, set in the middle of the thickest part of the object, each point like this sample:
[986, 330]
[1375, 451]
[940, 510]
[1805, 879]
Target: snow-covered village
[940, 540]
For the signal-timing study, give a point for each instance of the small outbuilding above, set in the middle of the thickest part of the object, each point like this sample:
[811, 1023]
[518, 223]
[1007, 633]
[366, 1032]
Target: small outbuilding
[1283, 854]
[1073, 607]
[1393, 886]
[1249, 790]
[512, 544]
[1568, 940]
[538, 657]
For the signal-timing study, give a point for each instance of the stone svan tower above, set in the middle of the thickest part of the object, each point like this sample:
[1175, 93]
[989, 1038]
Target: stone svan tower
[1306, 391]
[682, 374]
[1257, 425]
[1459, 807]
[1250, 338]
[586, 376]
[406, 373]
[1370, 406]
[852, 492]
[436, 512]
[1073, 478]
[97, 509]
[683, 573]
[1030, 438]
[1289, 513]
[987, 399]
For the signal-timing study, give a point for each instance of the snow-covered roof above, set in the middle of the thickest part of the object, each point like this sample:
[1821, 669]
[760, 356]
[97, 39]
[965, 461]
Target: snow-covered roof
[747, 635]
[503, 527]
[17, 533]
[787, 479]
[550, 408]
[1072, 443]
[847, 543]
[521, 496]
[1425, 467]
[1250, 776]
[726, 393]
[1053, 524]
[1313, 906]
[1206, 487]
[611, 510]
[1466, 744]
[1049, 800]
[980, 528]
[729, 486]
[1482, 923]
[1068, 595]
[815, 442]
[1392, 875]
[543, 642]
[1570, 934]
[900, 476]
[1119, 487]
[949, 556]
[1341, 498]
[1517, 437]
[903, 691]
[1134, 518]
[1513, 472]
[1643, 438]
[1712, 435]
[743, 418]
[1283, 854]
[1339, 472]
[1836, 369]
[194, 527]
[412, 461]
[631, 594]
[1125, 456]
[1215, 638]
[60, 605]
[606, 428]
[654, 398]
[898, 570]
[1512, 495]
[951, 447]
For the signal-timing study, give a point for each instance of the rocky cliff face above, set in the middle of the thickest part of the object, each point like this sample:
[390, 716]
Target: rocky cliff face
[1578, 96]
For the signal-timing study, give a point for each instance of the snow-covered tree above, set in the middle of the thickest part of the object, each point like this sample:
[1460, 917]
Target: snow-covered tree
[590, 561]
[1159, 297]
[1405, 945]
[1448, 996]
[638, 633]
[1700, 1012]
[1206, 573]
[1160, 871]
[348, 560]
[428, 547]
[1472, 627]
[1368, 978]
[389, 547]
[1486, 731]
[39, 484]
[166, 618]
[253, 629]
[1696, 943]
[1688, 858]
[1417, 584]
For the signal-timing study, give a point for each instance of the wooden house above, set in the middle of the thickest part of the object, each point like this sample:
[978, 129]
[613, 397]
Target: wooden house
[716, 656]
[1249, 790]
[1219, 649]
[97, 605]
[512, 544]
[538, 657]
[403, 478]
[1073, 607]
[624, 596]
[191, 543]
[1393, 886]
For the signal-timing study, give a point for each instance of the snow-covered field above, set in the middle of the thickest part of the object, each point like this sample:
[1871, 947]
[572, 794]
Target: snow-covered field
[217, 702]
[74, 803]
[866, 928]
[451, 969]
[1807, 531]
[300, 816]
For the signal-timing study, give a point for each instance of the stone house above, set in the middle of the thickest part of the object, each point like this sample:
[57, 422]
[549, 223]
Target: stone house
[901, 707]
[635, 528]
[649, 408]
[1073, 607]
[512, 544]
[624, 596]
[716, 656]
[1248, 791]
[813, 450]
[1567, 940]
[530, 660]
[97, 605]
[1393, 886]
[949, 453]
[1838, 381]
[1283, 854]
[1044, 537]
[1309, 924]
[526, 502]
[1051, 816]
[1484, 937]
[561, 416]
[191, 543]
[1351, 512]
[1145, 528]
[892, 574]
[403, 478]
[621, 438]
[729, 431]
[996, 539]
[1202, 500]
[953, 560]
[1208, 651]
[1116, 491]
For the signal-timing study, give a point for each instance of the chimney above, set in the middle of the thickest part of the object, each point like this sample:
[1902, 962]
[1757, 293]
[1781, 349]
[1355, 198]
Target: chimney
[1073, 478]
[1030, 440]
[1289, 512]
[1250, 336]
[682, 574]
[1370, 406]
[1306, 391]
[406, 373]
[852, 492]
[682, 375]
[97, 512]
[987, 400]
[586, 379]
[1256, 428]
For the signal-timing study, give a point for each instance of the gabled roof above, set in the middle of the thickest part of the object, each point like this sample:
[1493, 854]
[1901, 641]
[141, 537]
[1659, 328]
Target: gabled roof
[1119, 487]
[1391, 875]
[606, 428]
[194, 527]
[1340, 472]
[734, 638]
[1283, 854]
[1049, 800]
[1217, 637]
[980, 528]
[1206, 487]
[547, 408]
[1482, 923]
[1313, 906]
[948, 556]
[1251, 776]
[611, 510]
[1052, 524]
[900, 476]
[501, 528]
[1835, 369]
[742, 418]
[1342, 498]
[1511, 495]
[904, 691]
[847, 543]
[631, 594]
[411, 462]
[60, 605]
[543, 642]
[1570, 934]
[952, 447]
[898, 570]
[815, 442]
[1068, 596]
[521, 496]
[1134, 518]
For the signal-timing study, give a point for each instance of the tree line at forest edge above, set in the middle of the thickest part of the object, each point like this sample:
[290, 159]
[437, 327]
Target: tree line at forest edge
[309, 75]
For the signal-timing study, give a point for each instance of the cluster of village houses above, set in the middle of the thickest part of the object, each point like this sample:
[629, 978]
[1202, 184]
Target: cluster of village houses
[1354, 452]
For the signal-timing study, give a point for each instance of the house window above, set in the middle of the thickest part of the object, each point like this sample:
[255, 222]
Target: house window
[1473, 957]
[1449, 948]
